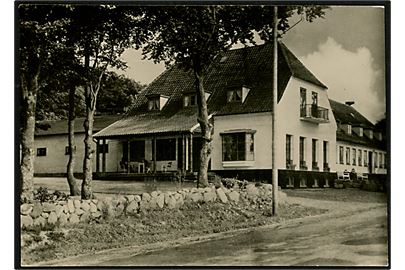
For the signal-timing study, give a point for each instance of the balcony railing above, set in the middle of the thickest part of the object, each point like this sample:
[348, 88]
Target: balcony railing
[314, 113]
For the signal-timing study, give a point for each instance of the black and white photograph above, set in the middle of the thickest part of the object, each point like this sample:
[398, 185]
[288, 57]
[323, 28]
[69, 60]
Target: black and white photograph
[192, 134]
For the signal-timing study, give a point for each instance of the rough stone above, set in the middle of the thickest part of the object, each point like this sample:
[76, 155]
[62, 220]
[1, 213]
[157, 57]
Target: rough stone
[179, 202]
[160, 201]
[93, 208]
[194, 190]
[96, 214]
[252, 191]
[85, 206]
[76, 203]
[221, 195]
[85, 217]
[63, 219]
[130, 198]
[154, 194]
[153, 203]
[66, 209]
[144, 205]
[119, 209]
[132, 207]
[79, 211]
[25, 209]
[209, 196]
[196, 197]
[207, 189]
[45, 215]
[100, 205]
[71, 206]
[74, 218]
[268, 187]
[233, 196]
[36, 210]
[171, 202]
[40, 221]
[52, 218]
[48, 207]
[146, 197]
[26, 221]
[58, 210]
[95, 201]
[137, 198]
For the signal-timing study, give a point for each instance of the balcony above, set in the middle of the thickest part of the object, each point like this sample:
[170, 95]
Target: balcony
[314, 114]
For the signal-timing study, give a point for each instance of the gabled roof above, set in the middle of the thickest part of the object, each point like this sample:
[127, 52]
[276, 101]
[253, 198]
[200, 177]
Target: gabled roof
[250, 66]
[60, 127]
[346, 114]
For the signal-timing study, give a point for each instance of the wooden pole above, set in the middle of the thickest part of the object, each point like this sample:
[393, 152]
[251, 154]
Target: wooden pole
[274, 118]
[191, 152]
[128, 154]
[97, 156]
[154, 154]
[104, 155]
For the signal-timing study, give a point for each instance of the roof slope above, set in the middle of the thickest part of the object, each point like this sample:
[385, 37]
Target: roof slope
[60, 127]
[346, 114]
[250, 67]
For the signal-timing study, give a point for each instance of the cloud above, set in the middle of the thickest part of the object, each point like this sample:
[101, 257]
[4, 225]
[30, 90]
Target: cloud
[349, 75]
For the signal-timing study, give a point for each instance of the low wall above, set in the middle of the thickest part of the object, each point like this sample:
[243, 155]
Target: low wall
[74, 210]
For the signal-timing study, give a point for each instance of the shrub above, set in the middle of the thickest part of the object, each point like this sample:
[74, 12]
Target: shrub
[44, 195]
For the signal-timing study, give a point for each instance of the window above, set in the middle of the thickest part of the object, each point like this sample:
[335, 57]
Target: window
[381, 160]
[165, 149]
[365, 159]
[354, 156]
[341, 149]
[234, 95]
[154, 104]
[359, 158]
[190, 100]
[303, 101]
[314, 154]
[288, 150]
[314, 107]
[103, 148]
[137, 151]
[237, 146]
[302, 152]
[325, 152]
[41, 152]
[347, 155]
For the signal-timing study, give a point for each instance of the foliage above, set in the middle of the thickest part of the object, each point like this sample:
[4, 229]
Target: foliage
[119, 92]
[42, 194]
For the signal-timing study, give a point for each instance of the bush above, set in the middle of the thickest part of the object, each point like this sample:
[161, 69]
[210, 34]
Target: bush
[44, 195]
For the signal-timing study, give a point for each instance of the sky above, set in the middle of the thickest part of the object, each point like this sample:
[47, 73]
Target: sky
[345, 51]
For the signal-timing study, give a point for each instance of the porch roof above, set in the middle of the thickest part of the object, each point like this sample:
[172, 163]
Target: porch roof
[148, 124]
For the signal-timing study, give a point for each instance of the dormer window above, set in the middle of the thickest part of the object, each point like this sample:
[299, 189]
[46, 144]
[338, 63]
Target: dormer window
[237, 95]
[156, 102]
[190, 99]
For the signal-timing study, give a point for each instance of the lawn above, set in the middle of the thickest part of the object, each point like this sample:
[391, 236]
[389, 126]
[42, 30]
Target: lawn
[343, 195]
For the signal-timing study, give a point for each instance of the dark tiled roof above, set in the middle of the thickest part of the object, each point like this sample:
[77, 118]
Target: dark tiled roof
[251, 67]
[346, 114]
[365, 141]
[59, 127]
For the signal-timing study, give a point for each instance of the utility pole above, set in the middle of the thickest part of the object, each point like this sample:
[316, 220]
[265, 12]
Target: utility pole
[274, 169]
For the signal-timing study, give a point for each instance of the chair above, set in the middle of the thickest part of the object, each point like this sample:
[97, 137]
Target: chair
[345, 176]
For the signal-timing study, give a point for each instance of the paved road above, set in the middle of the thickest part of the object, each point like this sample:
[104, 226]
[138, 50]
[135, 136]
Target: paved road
[351, 234]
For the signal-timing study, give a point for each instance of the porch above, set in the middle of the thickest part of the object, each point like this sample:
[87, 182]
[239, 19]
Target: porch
[160, 156]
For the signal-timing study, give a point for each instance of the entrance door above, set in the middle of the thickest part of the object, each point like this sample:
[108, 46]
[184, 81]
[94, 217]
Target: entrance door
[370, 162]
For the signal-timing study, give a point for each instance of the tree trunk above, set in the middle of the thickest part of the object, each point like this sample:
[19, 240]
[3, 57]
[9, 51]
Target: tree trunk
[72, 181]
[206, 127]
[29, 87]
[87, 192]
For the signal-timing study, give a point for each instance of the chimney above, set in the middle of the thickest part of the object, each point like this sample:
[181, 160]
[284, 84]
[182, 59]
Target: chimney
[347, 128]
[368, 133]
[358, 131]
[349, 103]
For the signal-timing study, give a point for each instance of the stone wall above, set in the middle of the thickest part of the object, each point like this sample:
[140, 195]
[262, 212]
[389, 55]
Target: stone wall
[74, 210]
